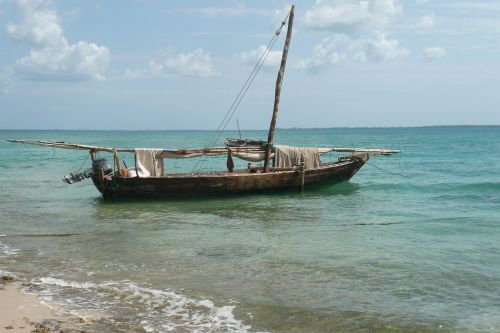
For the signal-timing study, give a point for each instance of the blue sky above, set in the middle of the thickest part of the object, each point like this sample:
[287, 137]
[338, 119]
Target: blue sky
[179, 64]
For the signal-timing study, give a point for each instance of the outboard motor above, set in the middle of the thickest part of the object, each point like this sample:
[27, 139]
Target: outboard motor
[96, 165]
[77, 176]
[102, 164]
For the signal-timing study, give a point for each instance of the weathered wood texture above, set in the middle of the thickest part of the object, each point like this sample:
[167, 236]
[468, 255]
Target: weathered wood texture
[190, 152]
[277, 93]
[225, 183]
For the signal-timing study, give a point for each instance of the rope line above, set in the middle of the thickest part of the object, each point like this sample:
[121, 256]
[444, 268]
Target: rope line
[81, 166]
[241, 94]
[388, 171]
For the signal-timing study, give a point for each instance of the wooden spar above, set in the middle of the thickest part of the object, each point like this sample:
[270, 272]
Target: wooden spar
[302, 172]
[73, 146]
[117, 161]
[180, 152]
[369, 151]
[92, 156]
[185, 152]
[279, 81]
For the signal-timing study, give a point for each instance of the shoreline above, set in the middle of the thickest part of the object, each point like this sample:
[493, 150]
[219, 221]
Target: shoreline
[24, 312]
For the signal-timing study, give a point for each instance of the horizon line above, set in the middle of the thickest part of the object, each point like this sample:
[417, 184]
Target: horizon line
[278, 128]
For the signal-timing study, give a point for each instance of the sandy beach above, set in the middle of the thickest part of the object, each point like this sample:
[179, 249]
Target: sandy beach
[21, 312]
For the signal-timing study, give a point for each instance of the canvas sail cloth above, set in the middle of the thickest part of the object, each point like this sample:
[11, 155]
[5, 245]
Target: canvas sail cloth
[149, 162]
[287, 157]
[251, 156]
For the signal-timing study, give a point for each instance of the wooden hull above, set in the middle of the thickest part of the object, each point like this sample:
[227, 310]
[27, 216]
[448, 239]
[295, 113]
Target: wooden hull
[225, 183]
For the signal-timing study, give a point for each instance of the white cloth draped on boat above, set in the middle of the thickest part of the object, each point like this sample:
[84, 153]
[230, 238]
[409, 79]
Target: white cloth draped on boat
[149, 162]
[287, 157]
[251, 156]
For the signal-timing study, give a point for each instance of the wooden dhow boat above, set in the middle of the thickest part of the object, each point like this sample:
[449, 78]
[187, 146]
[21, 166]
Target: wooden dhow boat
[283, 167]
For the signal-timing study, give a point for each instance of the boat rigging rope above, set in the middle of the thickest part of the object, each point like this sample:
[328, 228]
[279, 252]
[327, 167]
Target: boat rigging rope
[81, 166]
[385, 170]
[236, 102]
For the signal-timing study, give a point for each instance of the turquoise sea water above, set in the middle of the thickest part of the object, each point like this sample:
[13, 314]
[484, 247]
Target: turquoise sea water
[410, 244]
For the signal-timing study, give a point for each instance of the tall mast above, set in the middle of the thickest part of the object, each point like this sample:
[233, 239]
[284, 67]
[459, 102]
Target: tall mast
[277, 92]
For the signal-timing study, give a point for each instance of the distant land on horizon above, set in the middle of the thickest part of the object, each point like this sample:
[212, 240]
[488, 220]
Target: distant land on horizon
[423, 126]
[279, 128]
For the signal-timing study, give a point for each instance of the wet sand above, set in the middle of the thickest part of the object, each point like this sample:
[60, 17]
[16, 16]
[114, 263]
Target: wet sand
[21, 312]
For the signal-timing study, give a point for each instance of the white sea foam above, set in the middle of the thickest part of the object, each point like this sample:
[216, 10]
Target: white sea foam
[181, 312]
[63, 283]
[6, 251]
[6, 273]
[158, 310]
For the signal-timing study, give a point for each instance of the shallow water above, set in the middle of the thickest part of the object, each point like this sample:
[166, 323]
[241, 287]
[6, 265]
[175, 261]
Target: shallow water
[410, 244]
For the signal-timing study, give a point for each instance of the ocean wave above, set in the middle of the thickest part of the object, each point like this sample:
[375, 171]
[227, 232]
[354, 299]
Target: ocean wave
[46, 235]
[7, 251]
[63, 283]
[156, 310]
[3, 272]
[483, 186]
[434, 187]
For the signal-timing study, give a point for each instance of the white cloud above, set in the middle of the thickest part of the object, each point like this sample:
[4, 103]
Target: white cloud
[357, 31]
[53, 57]
[434, 53]
[340, 47]
[351, 17]
[80, 61]
[381, 48]
[421, 1]
[39, 26]
[251, 57]
[196, 63]
[426, 22]
[328, 16]
[326, 52]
